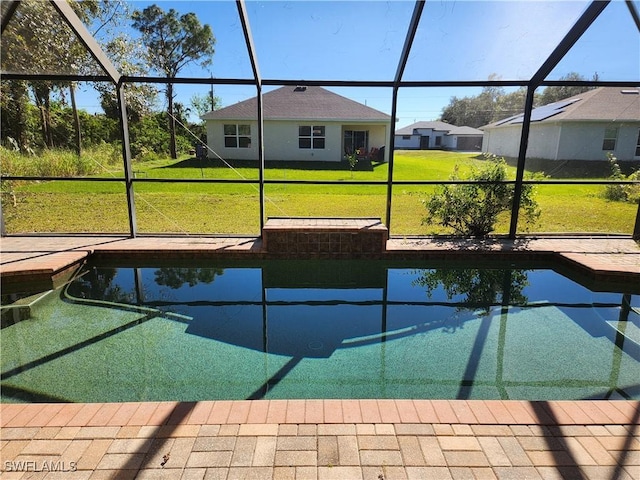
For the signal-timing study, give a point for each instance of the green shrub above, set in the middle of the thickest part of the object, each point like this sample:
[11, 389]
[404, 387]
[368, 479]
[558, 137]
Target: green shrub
[472, 209]
[621, 192]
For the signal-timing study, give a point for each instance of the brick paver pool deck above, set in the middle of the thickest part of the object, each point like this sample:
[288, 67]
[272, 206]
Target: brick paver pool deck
[320, 439]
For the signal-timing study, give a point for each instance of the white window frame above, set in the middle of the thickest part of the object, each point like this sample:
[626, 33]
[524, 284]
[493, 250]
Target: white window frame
[610, 136]
[240, 140]
[316, 136]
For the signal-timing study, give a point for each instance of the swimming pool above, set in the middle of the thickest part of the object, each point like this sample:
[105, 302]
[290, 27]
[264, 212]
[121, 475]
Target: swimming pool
[321, 329]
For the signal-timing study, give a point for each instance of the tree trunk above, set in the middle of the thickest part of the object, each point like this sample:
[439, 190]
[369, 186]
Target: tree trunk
[172, 123]
[19, 98]
[41, 92]
[76, 119]
[47, 118]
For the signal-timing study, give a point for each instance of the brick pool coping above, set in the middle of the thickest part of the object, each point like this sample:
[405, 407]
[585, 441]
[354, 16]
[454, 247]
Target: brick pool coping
[318, 439]
[45, 260]
[324, 439]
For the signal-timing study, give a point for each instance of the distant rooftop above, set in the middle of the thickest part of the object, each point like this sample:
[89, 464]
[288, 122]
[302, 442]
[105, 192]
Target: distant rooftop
[438, 126]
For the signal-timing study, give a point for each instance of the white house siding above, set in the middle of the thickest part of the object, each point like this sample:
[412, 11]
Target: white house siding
[433, 134]
[215, 141]
[412, 143]
[583, 141]
[543, 141]
[449, 142]
[563, 141]
[502, 141]
[627, 141]
[281, 140]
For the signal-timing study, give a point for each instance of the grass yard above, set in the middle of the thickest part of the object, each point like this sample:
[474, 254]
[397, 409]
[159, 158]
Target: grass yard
[199, 208]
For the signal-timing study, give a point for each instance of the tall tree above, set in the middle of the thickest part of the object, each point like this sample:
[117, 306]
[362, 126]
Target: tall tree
[37, 40]
[128, 55]
[204, 103]
[554, 94]
[474, 111]
[173, 41]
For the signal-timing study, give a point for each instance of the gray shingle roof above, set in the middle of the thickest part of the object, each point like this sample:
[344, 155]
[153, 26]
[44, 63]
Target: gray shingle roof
[604, 103]
[300, 103]
[465, 131]
[435, 125]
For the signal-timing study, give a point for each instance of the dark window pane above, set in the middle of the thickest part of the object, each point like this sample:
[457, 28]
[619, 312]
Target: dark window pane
[244, 129]
[304, 143]
[318, 143]
[230, 142]
[609, 144]
[245, 142]
[229, 129]
[304, 131]
[318, 131]
[611, 132]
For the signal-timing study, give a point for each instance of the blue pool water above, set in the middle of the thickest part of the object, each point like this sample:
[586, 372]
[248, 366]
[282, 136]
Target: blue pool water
[322, 329]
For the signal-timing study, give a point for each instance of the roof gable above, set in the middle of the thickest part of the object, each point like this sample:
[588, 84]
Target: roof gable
[300, 103]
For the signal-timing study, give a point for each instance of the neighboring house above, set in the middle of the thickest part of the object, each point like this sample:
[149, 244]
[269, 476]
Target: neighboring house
[300, 124]
[438, 135]
[582, 127]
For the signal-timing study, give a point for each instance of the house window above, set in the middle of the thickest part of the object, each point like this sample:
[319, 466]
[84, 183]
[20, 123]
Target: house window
[610, 137]
[638, 145]
[311, 137]
[237, 136]
[438, 141]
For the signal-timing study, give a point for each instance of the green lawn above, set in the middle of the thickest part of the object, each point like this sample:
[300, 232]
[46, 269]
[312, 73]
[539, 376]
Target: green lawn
[234, 208]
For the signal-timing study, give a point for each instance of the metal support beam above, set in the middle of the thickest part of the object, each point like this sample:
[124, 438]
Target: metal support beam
[392, 146]
[522, 156]
[69, 16]
[404, 56]
[126, 158]
[248, 38]
[634, 13]
[6, 18]
[636, 228]
[584, 22]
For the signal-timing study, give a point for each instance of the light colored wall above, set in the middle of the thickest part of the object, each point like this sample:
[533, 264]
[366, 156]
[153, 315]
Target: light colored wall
[281, 141]
[215, 141]
[583, 141]
[502, 141]
[543, 140]
[563, 141]
[412, 144]
[450, 142]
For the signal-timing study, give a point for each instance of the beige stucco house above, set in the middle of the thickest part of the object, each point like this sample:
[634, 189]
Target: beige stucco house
[300, 124]
[583, 127]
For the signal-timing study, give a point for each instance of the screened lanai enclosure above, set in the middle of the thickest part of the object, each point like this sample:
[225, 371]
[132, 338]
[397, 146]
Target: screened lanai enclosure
[241, 111]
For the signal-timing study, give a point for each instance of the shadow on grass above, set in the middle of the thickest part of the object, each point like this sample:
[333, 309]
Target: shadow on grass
[194, 162]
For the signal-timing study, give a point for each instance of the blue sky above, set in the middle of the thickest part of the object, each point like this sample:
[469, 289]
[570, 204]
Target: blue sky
[363, 40]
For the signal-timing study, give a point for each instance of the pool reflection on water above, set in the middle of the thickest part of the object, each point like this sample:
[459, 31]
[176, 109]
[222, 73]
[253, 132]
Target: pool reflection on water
[323, 329]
